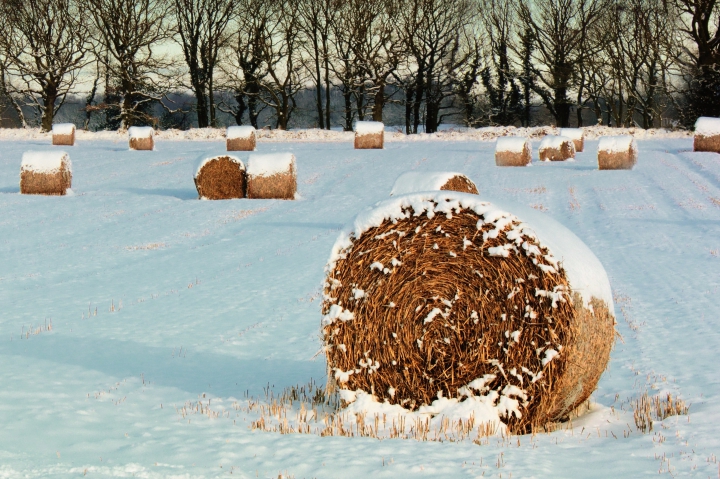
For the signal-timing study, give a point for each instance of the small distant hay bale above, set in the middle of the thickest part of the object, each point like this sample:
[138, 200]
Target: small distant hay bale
[707, 134]
[441, 294]
[513, 151]
[63, 134]
[416, 181]
[141, 137]
[617, 153]
[45, 173]
[240, 138]
[271, 176]
[556, 148]
[577, 135]
[369, 135]
[220, 177]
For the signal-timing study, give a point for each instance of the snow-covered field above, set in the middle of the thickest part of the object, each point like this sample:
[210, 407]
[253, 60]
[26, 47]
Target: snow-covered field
[142, 330]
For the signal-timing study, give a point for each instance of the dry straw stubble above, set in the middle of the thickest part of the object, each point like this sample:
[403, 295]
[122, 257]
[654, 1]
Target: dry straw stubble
[221, 178]
[434, 310]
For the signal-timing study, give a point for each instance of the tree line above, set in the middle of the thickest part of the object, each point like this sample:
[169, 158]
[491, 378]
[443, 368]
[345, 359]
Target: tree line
[475, 62]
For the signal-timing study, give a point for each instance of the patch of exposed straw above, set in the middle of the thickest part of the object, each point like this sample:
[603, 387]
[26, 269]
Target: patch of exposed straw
[565, 152]
[706, 143]
[579, 145]
[509, 158]
[241, 144]
[221, 179]
[617, 160]
[441, 312]
[68, 140]
[280, 186]
[55, 184]
[370, 141]
[460, 183]
[142, 143]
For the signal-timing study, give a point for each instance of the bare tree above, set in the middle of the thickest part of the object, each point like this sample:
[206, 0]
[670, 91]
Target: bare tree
[201, 32]
[46, 51]
[560, 29]
[699, 21]
[317, 18]
[127, 35]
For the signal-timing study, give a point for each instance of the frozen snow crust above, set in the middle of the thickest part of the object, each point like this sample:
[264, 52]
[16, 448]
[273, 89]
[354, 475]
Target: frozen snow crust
[270, 164]
[63, 128]
[369, 127]
[617, 144]
[45, 161]
[707, 126]
[141, 132]
[235, 132]
[511, 144]
[552, 141]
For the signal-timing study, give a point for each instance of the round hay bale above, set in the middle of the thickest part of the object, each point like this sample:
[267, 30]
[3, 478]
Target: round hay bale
[442, 295]
[556, 148]
[141, 138]
[271, 176]
[617, 153]
[707, 134]
[414, 181]
[240, 138]
[512, 151]
[45, 173]
[220, 177]
[576, 135]
[369, 135]
[63, 134]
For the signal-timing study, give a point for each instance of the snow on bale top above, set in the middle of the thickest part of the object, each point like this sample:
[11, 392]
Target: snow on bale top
[415, 181]
[45, 161]
[551, 141]
[617, 144]
[141, 132]
[270, 164]
[369, 127]
[439, 297]
[511, 144]
[572, 133]
[234, 132]
[205, 159]
[63, 129]
[707, 126]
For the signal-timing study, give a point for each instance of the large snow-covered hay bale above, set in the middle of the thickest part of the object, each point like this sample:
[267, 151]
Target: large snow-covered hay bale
[141, 137]
[513, 151]
[707, 134]
[63, 134]
[445, 296]
[617, 152]
[369, 135]
[416, 181]
[240, 138]
[45, 173]
[556, 148]
[272, 176]
[576, 135]
[220, 177]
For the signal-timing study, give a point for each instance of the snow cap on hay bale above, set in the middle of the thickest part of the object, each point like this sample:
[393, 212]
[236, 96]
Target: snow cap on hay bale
[707, 134]
[617, 152]
[141, 137]
[443, 295]
[512, 151]
[556, 148]
[271, 176]
[576, 135]
[369, 135]
[45, 173]
[240, 138]
[220, 177]
[415, 181]
[63, 134]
